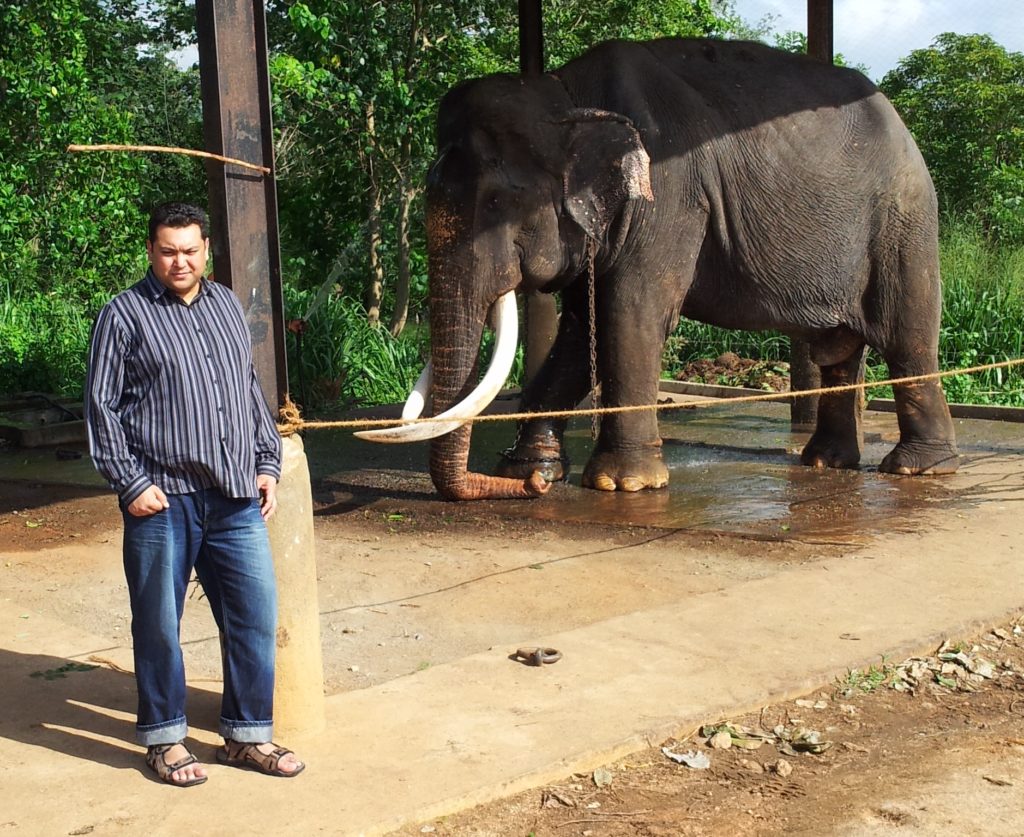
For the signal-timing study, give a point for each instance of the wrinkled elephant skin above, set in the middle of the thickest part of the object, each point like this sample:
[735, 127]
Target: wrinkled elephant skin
[723, 181]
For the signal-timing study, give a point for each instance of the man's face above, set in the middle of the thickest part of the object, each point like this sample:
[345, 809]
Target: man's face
[178, 257]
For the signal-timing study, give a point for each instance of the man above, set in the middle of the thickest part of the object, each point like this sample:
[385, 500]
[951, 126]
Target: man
[179, 428]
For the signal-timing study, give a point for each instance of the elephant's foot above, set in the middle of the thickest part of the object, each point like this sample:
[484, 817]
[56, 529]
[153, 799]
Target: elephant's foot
[922, 457]
[830, 452]
[541, 453]
[625, 470]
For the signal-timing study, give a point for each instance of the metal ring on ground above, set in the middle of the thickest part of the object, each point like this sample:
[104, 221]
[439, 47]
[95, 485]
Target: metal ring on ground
[538, 656]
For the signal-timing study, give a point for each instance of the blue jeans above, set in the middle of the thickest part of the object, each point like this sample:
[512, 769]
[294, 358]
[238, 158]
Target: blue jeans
[225, 540]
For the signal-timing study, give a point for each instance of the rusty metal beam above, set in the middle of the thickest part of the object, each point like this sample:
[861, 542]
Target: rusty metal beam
[531, 38]
[243, 205]
[820, 28]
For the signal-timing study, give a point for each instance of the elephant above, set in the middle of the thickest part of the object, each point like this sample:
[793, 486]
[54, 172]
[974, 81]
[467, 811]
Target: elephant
[724, 181]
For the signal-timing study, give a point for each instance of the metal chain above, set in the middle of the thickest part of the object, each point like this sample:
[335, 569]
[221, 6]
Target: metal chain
[595, 419]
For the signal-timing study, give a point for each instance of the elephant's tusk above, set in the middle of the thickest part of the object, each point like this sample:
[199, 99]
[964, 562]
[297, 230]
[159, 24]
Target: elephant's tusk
[506, 334]
[417, 399]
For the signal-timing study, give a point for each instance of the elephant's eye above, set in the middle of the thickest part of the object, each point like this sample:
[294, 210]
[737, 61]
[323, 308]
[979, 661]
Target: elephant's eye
[493, 202]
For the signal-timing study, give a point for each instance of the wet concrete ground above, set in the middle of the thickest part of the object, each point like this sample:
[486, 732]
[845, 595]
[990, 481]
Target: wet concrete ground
[661, 629]
[734, 469]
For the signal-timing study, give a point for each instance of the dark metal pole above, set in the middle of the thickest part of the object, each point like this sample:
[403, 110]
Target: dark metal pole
[820, 43]
[531, 38]
[243, 205]
[541, 311]
[803, 372]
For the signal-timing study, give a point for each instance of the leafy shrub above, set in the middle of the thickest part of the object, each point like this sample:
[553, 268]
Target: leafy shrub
[344, 361]
[340, 360]
[44, 343]
[1003, 214]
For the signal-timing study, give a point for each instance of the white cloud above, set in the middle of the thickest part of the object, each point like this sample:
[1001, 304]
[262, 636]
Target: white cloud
[878, 33]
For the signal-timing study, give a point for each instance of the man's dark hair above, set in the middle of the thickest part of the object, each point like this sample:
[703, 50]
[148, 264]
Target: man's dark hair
[178, 215]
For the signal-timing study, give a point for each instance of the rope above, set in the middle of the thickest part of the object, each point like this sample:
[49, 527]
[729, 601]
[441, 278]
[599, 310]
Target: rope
[293, 424]
[164, 149]
[291, 418]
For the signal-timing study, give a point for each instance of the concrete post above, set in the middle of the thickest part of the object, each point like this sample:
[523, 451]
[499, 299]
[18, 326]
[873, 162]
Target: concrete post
[299, 706]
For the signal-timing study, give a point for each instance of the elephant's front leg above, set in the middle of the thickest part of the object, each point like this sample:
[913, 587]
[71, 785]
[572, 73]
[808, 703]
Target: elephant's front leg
[560, 384]
[631, 335]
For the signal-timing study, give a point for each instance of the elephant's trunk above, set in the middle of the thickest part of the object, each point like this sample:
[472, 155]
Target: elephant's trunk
[455, 340]
[449, 458]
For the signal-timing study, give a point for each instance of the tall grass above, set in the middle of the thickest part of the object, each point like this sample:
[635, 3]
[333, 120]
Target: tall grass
[982, 316]
[343, 361]
[982, 322]
[340, 360]
[44, 343]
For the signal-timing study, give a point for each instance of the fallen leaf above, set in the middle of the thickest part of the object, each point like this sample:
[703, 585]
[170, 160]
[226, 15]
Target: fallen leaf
[691, 758]
[552, 799]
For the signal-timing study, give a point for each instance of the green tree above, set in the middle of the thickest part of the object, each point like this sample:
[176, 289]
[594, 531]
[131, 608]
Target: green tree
[72, 71]
[793, 41]
[963, 99]
[60, 211]
[573, 26]
[356, 87]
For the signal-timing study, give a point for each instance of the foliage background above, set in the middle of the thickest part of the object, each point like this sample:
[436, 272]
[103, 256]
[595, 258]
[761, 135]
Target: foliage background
[355, 86]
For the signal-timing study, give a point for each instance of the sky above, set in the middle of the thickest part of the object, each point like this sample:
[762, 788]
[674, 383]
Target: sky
[878, 33]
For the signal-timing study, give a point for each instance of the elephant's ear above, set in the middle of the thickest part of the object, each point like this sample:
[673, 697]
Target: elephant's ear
[607, 166]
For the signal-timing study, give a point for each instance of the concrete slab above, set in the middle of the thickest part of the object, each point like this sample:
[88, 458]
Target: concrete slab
[480, 726]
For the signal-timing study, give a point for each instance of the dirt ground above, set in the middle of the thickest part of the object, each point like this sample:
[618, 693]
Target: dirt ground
[941, 755]
[730, 369]
[929, 759]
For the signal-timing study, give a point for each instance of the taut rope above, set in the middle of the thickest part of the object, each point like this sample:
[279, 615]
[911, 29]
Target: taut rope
[294, 424]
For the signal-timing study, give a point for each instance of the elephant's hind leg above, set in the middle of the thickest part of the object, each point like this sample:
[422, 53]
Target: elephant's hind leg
[927, 441]
[927, 444]
[838, 438]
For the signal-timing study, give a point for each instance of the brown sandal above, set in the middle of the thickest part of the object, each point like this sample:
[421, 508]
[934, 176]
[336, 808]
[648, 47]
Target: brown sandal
[244, 754]
[156, 758]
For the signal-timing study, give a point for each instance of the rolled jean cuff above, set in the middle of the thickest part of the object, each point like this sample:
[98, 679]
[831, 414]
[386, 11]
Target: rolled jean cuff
[248, 732]
[168, 732]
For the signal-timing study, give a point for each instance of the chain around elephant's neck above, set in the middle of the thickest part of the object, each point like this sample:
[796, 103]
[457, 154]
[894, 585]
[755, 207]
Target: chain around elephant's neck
[595, 420]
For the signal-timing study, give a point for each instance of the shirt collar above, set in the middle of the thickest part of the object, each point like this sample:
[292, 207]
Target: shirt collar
[155, 288]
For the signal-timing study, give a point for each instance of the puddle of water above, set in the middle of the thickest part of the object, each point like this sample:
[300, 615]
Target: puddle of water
[730, 471]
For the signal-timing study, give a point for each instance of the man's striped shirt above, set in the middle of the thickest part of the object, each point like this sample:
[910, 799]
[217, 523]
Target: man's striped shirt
[172, 397]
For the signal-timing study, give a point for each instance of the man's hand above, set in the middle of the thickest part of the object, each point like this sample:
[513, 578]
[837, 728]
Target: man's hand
[267, 486]
[149, 502]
